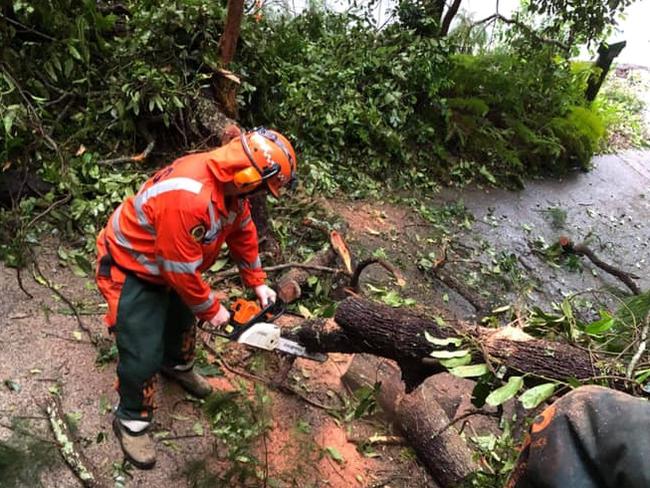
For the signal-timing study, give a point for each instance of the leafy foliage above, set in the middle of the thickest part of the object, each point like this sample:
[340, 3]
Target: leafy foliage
[347, 93]
[582, 21]
[237, 422]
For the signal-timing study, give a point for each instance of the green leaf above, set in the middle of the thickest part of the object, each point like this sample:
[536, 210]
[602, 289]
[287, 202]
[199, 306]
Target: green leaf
[455, 341]
[8, 121]
[536, 395]
[77, 335]
[73, 51]
[13, 385]
[506, 392]
[471, 371]
[335, 454]
[601, 326]
[643, 375]
[218, 265]
[304, 311]
[84, 263]
[566, 309]
[574, 382]
[198, 428]
[450, 354]
[455, 362]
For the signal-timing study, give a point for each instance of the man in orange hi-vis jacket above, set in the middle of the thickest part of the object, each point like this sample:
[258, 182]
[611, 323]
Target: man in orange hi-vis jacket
[150, 258]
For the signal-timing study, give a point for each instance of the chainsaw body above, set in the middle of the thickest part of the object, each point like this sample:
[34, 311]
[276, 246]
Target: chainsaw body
[252, 325]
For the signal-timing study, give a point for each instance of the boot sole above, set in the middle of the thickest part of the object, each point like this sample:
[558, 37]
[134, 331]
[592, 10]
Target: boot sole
[136, 463]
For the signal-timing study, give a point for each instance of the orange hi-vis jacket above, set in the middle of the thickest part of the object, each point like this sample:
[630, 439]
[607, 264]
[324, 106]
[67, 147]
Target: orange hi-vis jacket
[174, 228]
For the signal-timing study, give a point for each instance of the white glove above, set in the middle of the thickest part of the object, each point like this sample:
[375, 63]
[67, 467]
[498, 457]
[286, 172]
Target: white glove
[265, 295]
[222, 317]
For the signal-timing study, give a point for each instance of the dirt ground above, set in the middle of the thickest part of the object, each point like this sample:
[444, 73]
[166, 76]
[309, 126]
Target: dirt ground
[42, 352]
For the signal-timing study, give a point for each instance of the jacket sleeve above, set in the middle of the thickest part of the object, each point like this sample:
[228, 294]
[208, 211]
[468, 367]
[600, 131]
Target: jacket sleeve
[179, 256]
[243, 245]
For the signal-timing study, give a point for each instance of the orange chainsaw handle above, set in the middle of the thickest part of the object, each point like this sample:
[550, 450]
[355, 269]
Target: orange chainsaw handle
[245, 309]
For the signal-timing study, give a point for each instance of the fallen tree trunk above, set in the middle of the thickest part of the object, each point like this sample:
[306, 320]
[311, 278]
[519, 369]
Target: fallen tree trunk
[364, 326]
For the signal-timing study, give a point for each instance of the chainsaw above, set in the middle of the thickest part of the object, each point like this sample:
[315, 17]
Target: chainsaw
[252, 325]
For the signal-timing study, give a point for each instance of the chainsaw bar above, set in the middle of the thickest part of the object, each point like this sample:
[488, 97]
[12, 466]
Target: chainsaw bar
[295, 349]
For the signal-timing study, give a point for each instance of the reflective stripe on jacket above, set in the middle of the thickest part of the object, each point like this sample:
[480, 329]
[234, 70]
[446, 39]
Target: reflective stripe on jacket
[175, 226]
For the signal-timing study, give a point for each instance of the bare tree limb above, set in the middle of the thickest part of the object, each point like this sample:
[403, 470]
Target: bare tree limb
[449, 16]
[130, 159]
[530, 31]
[583, 250]
[70, 453]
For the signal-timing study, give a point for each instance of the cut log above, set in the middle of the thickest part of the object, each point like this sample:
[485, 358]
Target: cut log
[364, 326]
[366, 370]
[419, 416]
[290, 283]
[439, 446]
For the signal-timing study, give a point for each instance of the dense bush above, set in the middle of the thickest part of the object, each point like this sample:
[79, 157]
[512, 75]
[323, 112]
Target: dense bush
[359, 102]
[395, 104]
[520, 116]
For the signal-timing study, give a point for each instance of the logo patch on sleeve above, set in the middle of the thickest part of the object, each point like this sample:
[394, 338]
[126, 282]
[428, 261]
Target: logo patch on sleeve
[198, 232]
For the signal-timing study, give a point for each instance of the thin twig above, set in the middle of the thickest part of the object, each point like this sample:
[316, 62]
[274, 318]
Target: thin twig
[521, 25]
[265, 381]
[20, 283]
[642, 347]
[354, 280]
[27, 28]
[93, 339]
[58, 203]
[469, 413]
[583, 250]
[27, 433]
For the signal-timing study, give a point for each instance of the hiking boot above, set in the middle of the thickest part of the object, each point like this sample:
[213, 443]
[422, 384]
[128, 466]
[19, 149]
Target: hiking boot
[138, 447]
[190, 380]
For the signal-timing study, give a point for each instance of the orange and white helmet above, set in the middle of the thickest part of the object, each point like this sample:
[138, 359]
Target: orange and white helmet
[273, 161]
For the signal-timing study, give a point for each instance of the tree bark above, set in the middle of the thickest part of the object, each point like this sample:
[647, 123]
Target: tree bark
[438, 444]
[449, 16]
[230, 36]
[364, 326]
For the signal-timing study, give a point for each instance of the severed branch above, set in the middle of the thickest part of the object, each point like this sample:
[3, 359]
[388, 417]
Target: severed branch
[69, 451]
[130, 159]
[583, 250]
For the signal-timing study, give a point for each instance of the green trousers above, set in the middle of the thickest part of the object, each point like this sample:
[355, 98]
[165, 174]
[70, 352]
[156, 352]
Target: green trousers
[154, 328]
[593, 437]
